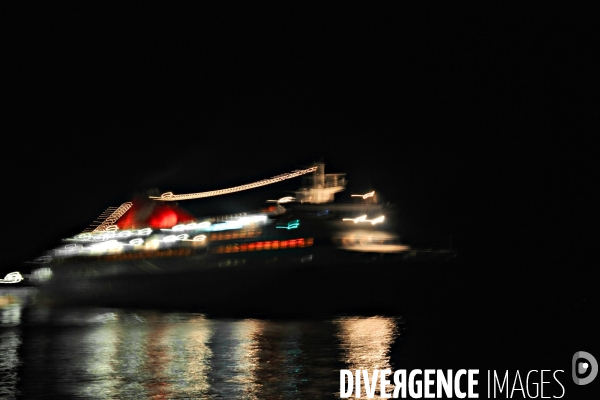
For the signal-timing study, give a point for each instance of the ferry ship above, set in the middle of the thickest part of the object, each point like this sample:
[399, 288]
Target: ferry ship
[302, 252]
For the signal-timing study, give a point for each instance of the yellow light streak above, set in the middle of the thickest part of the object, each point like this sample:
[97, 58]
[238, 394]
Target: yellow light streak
[363, 218]
[169, 196]
[366, 195]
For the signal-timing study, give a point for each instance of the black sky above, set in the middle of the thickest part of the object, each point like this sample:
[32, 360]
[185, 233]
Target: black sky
[455, 113]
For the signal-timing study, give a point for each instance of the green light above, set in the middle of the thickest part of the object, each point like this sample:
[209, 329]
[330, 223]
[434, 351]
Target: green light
[291, 225]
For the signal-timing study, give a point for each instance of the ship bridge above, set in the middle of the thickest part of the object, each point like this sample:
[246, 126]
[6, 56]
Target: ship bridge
[320, 187]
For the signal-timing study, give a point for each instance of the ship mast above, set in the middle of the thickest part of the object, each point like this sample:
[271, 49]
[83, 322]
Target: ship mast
[322, 186]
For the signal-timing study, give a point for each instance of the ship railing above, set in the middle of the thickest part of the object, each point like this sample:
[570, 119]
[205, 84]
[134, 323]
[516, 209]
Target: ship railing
[226, 217]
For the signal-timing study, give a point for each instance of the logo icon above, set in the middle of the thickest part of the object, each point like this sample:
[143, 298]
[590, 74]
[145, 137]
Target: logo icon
[585, 368]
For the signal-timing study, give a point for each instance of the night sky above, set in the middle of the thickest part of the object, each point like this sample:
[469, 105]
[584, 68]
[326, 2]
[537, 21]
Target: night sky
[456, 115]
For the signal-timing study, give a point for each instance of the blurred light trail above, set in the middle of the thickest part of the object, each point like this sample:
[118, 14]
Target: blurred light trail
[363, 218]
[364, 196]
[13, 277]
[169, 196]
[109, 217]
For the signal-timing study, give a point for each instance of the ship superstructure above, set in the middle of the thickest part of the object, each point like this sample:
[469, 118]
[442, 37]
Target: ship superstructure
[151, 243]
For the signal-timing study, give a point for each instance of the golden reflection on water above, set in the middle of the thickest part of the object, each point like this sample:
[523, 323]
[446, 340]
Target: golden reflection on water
[150, 357]
[170, 355]
[191, 363]
[233, 366]
[366, 344]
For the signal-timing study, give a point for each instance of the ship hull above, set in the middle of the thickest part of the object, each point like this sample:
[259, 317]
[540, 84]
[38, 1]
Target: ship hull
[287, 283]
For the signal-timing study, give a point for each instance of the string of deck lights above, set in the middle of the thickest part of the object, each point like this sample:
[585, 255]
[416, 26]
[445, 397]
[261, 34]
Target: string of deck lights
[169, 196]
[107, 223]
[111, 215]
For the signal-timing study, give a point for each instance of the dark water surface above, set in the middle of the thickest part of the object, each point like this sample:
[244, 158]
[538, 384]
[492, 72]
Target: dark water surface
[515, 322]
[111, 353]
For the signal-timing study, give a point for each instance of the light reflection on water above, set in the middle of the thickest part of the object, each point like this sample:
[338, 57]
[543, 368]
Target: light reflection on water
[365, 344]
[9, 360]
[100, 354]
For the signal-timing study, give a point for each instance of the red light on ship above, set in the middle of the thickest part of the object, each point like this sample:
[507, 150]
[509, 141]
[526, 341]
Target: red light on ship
[164, 219]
